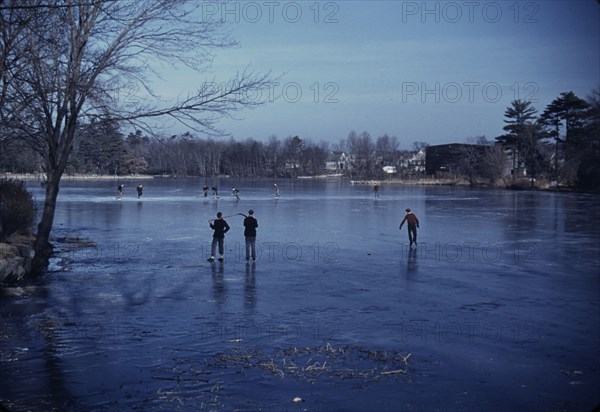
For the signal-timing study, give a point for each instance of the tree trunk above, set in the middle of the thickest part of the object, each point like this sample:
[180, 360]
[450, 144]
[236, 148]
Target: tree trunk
[42, 246]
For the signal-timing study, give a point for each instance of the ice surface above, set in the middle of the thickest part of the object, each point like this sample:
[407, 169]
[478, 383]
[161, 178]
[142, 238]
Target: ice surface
[498, 305]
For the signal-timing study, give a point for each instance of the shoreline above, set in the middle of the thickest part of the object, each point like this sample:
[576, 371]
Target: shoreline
[432, 181]
[16, 257]
[42, 177]
[515, 185]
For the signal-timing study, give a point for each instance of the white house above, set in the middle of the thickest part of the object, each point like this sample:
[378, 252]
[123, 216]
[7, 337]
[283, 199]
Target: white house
[414, 162]
[339, 162]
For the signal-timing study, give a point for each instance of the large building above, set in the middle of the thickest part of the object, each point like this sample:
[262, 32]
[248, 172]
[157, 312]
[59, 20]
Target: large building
[450, 158]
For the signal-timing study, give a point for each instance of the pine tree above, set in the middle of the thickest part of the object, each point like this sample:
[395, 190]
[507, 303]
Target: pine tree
[518, 117]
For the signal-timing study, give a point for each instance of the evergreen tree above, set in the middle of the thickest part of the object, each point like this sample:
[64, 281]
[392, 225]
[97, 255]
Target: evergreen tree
[588, 173]
[517, 118]
[569, 113]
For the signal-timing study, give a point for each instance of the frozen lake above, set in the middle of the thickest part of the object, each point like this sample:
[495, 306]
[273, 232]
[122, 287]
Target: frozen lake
[497, 308]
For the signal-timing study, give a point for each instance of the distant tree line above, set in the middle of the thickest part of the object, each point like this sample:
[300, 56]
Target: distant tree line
[103, 149]
[562, 145]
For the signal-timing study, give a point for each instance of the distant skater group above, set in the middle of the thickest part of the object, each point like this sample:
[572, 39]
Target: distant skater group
[234, 192]
[139, 189]
[215, 191]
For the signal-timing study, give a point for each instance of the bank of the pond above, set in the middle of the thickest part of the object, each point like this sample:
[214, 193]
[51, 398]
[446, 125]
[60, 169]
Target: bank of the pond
[42, 177]
[517, 184]
[423, 181]
[16, 256]
[512, 184]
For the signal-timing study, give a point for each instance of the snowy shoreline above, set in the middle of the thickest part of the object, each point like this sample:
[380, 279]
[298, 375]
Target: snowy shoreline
[518, 184]
[422, 181]
[42, 177]
[432, 181]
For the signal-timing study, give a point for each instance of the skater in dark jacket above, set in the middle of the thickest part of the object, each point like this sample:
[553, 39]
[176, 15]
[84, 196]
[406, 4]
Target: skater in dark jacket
[413, 224]
[250, 225]
[376, 190]
[220, 227]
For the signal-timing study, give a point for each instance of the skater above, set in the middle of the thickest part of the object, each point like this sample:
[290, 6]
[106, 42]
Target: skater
[120, 191]
[413, 224]
[220, 227]
[235, 192]
[139, 189]
[205, 190]
[250, 225]
[376, 190]
[215, 191]
[276, 190]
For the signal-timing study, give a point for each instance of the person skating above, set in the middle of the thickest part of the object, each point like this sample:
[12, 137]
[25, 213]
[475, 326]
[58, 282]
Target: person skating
[250, 225]
[205, 190]
[215, 190]
[120, 191]
[140, 190]
[413, 223]
[235, 192]
[220, 227]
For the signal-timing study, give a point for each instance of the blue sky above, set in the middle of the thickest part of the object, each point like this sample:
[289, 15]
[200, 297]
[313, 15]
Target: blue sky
[430, 71]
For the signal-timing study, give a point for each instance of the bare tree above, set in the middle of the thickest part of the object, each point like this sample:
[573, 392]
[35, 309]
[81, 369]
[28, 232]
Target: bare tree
[292, 148]
[417, 146]
[481, 158]
[386, 148]
[62, 69]
[273, 151]
[495, 164]
[469, 162]
[362, 149]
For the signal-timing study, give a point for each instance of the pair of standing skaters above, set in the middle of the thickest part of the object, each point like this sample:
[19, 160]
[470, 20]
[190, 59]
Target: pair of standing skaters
[220, 227]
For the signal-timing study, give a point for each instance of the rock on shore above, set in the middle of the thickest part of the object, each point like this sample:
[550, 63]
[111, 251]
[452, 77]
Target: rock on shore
[16, 256]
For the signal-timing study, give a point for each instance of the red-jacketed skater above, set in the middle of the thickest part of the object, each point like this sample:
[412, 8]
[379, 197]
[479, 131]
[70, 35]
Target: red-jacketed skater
[413, 223]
